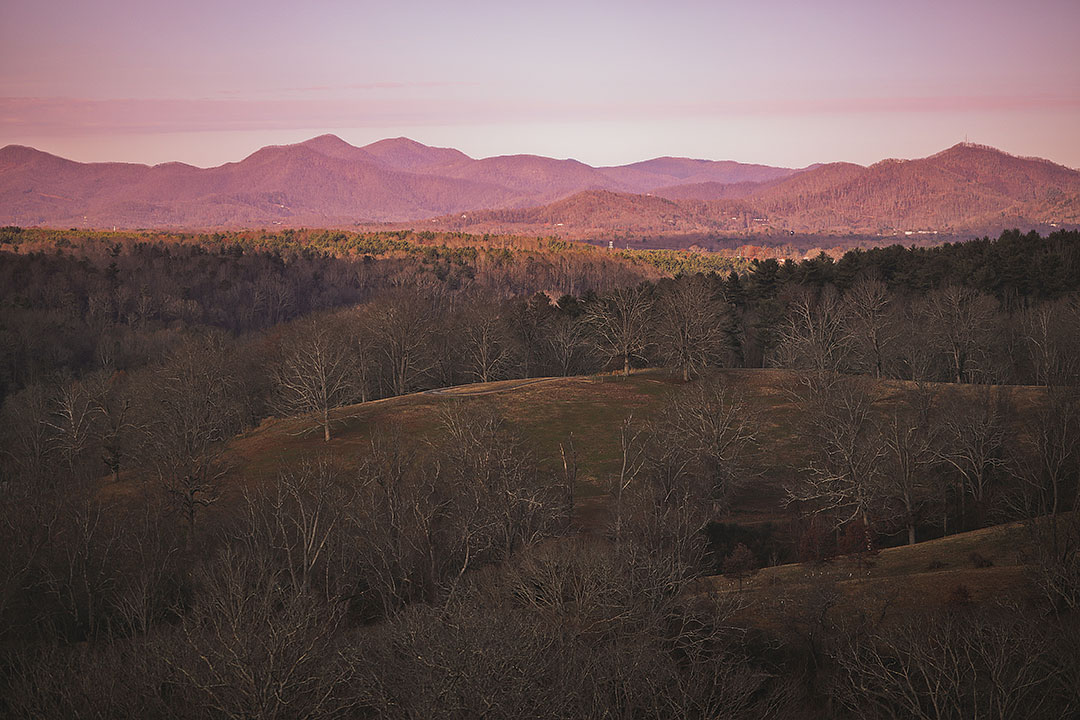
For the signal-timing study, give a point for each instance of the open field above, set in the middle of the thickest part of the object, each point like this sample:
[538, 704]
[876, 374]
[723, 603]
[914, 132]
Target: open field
[989, 565]
[546, 412]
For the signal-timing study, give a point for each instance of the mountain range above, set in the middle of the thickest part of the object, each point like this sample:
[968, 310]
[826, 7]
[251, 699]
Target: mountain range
[328, 182]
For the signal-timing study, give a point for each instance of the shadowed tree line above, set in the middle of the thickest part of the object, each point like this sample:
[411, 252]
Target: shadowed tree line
[419, 581]
[440, 579]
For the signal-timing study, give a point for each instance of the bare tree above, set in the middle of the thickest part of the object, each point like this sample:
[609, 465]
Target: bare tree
[1051, 454]
[528, 322]
[402, 326]
[569, 457]
[316, 371]
[191, 410]
[486, 459]
[1054, 556]
[118, 679]
[630, 437]
[147, 585]
[81, 576]
[951, 666]
[299, 518]
[462, 659]
[576, 629]
[274, 299]
[566, 338]
[486, 342]
[73, 422]
[962, 323]
[812, 336]
[691, 325]
[1049, 331]
[973, 442]
[446, 346]
[870, 323]
[845, 477]
[365, 351]
[915, 342]
[717, 428]
[399, 520]
[28, 446]
[677, 472]
[117, 427]
[619, 322]
[909, 434]
[252, 645]
[420, 526]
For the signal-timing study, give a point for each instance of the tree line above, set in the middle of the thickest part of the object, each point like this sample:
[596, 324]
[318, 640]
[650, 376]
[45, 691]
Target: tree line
[73, 303]
[76, 304]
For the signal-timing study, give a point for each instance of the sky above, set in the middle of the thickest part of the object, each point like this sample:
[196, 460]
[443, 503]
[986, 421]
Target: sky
[781, 82]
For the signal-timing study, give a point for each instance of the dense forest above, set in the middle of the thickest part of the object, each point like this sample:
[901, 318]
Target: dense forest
[74, 303]
[937, 389]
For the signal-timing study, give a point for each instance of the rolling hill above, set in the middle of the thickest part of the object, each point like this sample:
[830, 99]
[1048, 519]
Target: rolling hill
[672, 172]
[544, 412]
[594, 213]
[966, 187]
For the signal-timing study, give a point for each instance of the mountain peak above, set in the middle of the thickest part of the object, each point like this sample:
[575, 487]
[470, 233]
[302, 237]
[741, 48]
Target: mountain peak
[402, 153]
[968, 152]
[13, 156]
[332, 146]
[20, 152]
[399, 142]
[327, 140]
[966, 147]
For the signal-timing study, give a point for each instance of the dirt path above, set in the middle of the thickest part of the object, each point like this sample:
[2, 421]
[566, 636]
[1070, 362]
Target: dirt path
[485, 388]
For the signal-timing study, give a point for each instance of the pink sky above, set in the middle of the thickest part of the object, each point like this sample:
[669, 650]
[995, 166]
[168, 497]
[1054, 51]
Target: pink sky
[780, 82]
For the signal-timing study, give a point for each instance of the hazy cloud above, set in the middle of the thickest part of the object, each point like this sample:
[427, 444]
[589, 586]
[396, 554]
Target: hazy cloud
[67, 116]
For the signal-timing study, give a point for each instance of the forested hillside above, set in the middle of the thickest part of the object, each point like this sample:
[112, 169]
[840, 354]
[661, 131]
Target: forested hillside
[228, 495]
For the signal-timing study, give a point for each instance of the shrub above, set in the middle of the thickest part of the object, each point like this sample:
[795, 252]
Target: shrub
[740, 563]
[959, 598]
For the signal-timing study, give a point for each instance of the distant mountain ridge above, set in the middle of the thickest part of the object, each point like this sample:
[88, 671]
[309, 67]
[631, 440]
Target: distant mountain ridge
[964, 189]
[325, 181]
[322, 181]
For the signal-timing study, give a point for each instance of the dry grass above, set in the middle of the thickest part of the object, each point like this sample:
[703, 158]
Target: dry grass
[548, 411]
[544, 414]
[891, 583]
